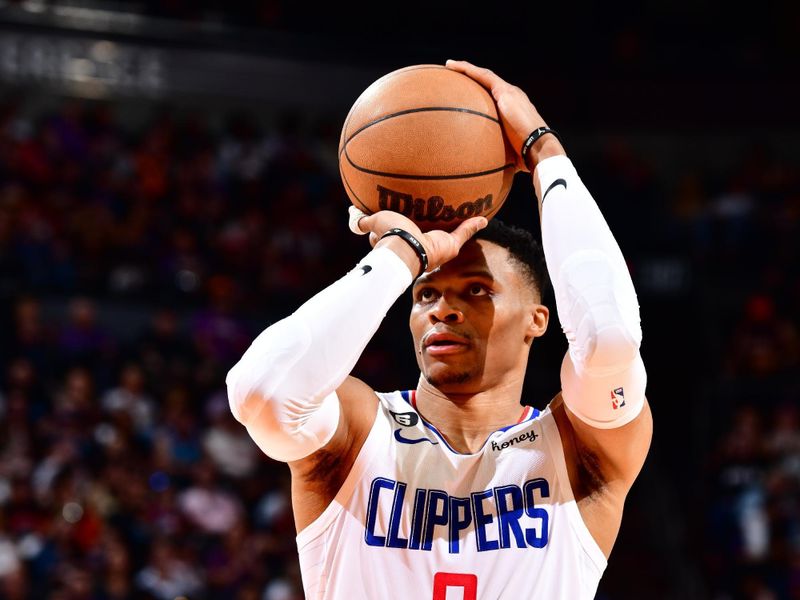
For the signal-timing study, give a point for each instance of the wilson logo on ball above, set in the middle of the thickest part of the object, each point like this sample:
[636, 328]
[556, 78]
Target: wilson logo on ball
[432, 209]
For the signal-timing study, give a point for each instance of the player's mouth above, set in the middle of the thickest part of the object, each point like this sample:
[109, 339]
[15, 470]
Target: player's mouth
[441, 343]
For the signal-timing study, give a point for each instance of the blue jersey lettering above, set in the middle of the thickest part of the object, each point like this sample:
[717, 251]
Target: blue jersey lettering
[536, 540]
[482, 519]
[378, 484]
[437, 515]
[519, 512]
[394, 540]
[460, 518]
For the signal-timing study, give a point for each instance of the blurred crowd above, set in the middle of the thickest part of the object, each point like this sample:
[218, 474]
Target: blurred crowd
[137, 264]
[122, 472]
[750, 517]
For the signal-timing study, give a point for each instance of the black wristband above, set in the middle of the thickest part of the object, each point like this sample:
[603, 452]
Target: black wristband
[535, 135]
[414, 243]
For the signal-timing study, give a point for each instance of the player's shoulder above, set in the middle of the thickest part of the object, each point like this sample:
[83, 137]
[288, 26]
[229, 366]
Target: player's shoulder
[354, 390]
[357, 398]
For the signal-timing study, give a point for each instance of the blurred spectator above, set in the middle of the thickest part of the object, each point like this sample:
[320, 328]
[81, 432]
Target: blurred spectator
[167, 575]
[229, 568]
[10, 563]
[113, 560]
[207, 504]
[743, 459]
[130, 398]
[218, 331]
[783, 440]
[177, 437]
[18, 407]
[764, 343]
[13, 585]
[227, 443]
[31, 339]
[165, 353]
[82, 341]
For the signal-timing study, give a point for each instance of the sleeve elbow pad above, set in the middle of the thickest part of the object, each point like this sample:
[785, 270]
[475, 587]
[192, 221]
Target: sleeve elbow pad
[285, 427]
[604, 401]
[599, 311]
[603, 377]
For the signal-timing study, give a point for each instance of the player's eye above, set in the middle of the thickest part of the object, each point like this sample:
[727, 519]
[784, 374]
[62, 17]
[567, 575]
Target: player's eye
[426, 294]
[477, 289]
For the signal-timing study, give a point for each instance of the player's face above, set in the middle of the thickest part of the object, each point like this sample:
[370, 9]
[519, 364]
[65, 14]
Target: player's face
[473, 320]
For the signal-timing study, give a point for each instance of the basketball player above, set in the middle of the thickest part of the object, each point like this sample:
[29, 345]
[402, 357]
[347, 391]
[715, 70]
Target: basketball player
[453, 489]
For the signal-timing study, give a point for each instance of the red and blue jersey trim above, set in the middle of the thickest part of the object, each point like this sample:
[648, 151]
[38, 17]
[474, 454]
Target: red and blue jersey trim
[529, 413]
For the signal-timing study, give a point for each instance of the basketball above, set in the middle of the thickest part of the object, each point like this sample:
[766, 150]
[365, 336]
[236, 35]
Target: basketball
[427, 142]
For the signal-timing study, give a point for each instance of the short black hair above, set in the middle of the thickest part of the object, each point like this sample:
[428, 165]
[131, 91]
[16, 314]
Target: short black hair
[523, 248]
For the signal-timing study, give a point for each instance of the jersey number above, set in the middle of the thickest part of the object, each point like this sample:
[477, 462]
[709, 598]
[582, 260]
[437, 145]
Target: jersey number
[465, 581]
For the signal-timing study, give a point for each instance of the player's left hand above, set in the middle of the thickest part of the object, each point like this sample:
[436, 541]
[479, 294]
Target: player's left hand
[517, 113]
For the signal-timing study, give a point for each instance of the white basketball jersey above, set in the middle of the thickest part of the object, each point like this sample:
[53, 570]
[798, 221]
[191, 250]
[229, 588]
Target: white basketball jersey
[416, 519]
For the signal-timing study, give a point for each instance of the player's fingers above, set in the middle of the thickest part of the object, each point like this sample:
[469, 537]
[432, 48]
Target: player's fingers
[468, 228]
[485, 77]
[355, 217]
[366, 224]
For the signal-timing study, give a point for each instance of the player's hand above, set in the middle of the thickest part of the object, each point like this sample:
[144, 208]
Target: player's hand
[440, 246]
[517, 113]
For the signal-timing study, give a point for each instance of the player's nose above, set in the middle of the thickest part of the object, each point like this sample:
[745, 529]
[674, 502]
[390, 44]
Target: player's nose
[445, 311]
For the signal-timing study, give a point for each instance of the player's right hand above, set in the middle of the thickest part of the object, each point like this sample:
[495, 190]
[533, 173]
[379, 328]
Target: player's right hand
[440, 246]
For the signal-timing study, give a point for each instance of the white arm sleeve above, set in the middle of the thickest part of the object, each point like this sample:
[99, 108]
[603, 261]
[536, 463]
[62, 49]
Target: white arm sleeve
[602, 377]
[283, 387]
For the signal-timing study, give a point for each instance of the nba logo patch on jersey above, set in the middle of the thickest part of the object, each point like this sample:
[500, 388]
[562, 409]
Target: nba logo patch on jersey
[617, 398]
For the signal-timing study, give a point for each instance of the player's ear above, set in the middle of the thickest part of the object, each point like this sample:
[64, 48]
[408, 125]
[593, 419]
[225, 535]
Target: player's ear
[538, 318]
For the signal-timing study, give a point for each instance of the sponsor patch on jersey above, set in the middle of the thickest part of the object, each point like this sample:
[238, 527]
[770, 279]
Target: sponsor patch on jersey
[617, 398]
[407, 419]
[529, 436]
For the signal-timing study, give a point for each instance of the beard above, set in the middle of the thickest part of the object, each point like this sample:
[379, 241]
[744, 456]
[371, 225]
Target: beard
[448, 378]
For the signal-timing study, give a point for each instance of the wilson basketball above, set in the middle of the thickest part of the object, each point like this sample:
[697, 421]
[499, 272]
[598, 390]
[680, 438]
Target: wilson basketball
[426, 141]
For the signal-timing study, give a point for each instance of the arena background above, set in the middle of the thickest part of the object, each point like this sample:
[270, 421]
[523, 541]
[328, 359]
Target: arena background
[169, 187]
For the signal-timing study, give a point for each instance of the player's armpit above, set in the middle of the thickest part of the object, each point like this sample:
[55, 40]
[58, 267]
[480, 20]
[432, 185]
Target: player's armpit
[619, 453]
[317, 478]
[602, 466]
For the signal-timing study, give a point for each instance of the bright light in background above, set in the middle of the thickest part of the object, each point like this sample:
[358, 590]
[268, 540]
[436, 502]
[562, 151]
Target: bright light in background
[104, 51]
[84, 67]
[34, 6]
[72, 512]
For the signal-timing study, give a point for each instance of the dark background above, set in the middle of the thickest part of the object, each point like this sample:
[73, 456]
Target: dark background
[168, 188]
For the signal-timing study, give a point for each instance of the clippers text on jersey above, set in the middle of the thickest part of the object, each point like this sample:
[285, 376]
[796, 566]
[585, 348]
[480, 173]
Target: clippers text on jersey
[500, 517]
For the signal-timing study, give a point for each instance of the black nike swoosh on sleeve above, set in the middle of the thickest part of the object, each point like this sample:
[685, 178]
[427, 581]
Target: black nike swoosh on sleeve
[552, 185]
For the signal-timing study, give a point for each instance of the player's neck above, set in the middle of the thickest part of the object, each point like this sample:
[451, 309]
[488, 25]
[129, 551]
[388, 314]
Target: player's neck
[467, 419]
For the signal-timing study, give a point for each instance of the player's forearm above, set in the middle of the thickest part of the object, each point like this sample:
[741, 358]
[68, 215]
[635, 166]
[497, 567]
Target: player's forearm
[283, 387]
[596, 300]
